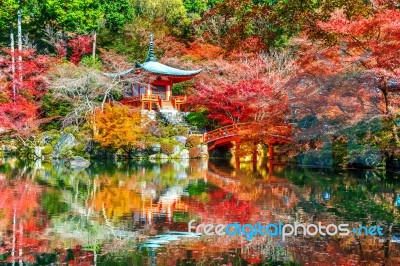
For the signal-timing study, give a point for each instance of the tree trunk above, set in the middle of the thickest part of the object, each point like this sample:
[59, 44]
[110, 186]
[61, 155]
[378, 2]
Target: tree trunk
[386, 100]
[395, 132]
[94, 46]
[19, 46]
[14, 236]
[14, 87]
[390, 115]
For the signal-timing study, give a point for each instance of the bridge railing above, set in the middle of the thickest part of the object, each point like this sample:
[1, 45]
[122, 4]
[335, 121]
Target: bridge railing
[240, 129]
[222, 132]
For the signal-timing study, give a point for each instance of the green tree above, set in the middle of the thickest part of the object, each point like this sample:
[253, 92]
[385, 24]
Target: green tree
[71, 16]
[117, 13]
[196, 6]
[171, 12]
[8, 11]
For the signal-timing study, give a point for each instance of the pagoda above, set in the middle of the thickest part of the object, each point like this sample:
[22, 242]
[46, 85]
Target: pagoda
[157, 94]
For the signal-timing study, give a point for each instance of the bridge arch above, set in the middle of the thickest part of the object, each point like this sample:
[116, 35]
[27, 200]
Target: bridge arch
[237, 133]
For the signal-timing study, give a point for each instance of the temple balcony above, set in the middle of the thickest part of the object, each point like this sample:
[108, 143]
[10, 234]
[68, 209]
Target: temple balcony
[156, 103]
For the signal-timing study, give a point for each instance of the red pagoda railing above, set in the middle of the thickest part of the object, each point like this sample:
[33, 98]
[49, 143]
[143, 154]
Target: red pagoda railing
[150, 99]
[178, 101]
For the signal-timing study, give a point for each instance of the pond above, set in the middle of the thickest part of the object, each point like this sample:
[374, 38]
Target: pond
[138, 213]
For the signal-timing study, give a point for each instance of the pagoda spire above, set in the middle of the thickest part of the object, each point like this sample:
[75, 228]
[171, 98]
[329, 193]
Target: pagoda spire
[150, 56]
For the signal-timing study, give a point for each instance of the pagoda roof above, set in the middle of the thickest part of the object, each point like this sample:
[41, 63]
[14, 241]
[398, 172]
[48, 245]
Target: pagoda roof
[151, 65]
[161, 69]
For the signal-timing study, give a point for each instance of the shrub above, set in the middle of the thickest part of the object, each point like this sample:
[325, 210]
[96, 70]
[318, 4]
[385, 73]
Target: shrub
[52, 107]
[118, 127]
[88, 61]
[79, 149]
[167, 146]
[194, 152]
[47, 150]
[171, 131]
[193, 141]
[197, 119]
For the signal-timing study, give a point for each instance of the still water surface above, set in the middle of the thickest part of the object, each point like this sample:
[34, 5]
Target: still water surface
[137, 214]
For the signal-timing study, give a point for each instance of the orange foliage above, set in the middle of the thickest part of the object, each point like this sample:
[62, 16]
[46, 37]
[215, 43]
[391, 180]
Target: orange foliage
[370, 46]
[117, 201]
[118, 127]
[203, 51]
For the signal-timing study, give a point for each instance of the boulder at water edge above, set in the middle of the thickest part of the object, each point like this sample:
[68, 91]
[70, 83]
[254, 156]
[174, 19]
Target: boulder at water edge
[78, 162]
[65, 142]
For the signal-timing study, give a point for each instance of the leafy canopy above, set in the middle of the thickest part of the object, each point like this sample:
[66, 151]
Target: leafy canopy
[118, 127]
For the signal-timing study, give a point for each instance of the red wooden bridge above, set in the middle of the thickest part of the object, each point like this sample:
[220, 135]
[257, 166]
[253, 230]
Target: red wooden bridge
[273, 135]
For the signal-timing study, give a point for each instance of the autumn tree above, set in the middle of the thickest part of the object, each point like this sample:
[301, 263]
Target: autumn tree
[232, 104]
[246, 89]
[80, 46]
[256, 25]
[20, 113]
[34, 69]
[118, 127]
[83, 88]
[371, 44]
[361, 56]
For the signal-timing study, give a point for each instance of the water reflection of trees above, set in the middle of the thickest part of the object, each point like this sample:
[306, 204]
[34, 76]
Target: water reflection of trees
[111, 207]
[359, 198]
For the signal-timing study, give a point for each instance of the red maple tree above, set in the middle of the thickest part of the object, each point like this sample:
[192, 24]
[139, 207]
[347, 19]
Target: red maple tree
[19, 110]
[33, 83]
[245, 101]
[370, 44]
[81, 45]
[354, 74]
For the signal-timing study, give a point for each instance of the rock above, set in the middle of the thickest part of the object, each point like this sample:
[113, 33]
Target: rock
[369, 160]
[139, 155]
[177, 150]
[156, 147]
[393, 164]
[203, 150]
[46, 140]
[152, 115]
[65, 142]
[9, 149]
[79, 162]
[38, 152]
[181, 175]
[161, 156]
[181, 139]
[184, 154]
[366, 157]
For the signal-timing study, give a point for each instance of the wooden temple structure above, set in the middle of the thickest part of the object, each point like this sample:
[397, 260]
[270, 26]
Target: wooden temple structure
[157, 93]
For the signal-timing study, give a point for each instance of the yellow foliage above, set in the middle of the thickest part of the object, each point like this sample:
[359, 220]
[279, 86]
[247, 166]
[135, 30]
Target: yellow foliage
[116, 202]
[118, 127]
